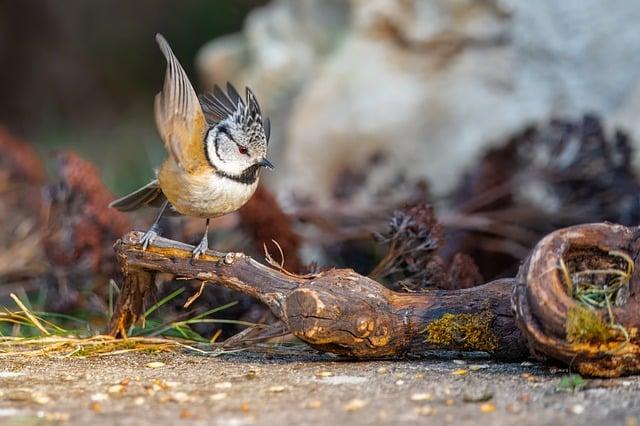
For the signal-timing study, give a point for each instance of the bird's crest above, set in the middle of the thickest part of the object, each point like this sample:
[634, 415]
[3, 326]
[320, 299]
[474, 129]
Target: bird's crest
[218, 106]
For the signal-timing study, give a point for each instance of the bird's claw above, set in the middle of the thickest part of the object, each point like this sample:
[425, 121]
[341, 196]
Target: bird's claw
[200, 249]
[148, 238]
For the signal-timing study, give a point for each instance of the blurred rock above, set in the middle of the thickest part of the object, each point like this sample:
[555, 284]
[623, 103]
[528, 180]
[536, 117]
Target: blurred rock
[427, 84]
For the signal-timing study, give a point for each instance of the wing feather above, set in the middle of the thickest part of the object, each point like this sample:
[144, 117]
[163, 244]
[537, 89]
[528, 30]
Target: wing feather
[179, 117]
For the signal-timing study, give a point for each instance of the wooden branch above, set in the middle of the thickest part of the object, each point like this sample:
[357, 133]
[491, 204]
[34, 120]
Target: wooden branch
[342, 312]
[336, 311]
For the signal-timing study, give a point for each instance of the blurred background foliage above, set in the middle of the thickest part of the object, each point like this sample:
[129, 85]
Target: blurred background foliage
[83, 74]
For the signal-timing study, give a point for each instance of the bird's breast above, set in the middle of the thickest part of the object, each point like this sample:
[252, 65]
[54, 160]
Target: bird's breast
[205, 194]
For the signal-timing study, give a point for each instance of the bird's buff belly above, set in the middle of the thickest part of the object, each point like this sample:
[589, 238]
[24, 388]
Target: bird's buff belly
[207, 195]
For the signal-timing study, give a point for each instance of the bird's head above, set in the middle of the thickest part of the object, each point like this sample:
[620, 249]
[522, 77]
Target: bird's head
[237, 140]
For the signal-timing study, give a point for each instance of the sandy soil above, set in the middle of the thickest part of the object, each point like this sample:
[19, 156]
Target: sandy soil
[258, 388]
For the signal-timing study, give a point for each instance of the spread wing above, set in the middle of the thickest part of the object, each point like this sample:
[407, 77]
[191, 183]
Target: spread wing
[179, 117]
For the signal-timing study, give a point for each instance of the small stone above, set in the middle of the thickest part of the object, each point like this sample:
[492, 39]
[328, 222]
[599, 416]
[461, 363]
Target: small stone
[40, 398]
[526, 363]
[180, 397]
[276, 389]
[314, 404]
[382, 370]
[158, 385]
[477, 395]
[399, 382]
[577, 409]
[459, 362]
[460, 372]
[244, 407]
[139, 400]
[116, 389]
[223, 385]
[125, 382]
[626, 383]
[426, 410]
[487, 407]
[155, 364]
[99, 397]
[54, 416]
[217, 396]
[476, 367]
[449, 402]
[421, 397]
[186, 414]
[96, 407]
[419, 376]
[355, 405]
[251, 374]
[324, 374]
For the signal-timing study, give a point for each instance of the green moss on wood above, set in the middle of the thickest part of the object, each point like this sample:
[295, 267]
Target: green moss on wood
[471, 332]
[585, 326]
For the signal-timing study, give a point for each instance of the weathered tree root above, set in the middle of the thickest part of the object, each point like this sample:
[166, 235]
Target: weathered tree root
[596, 342]
[336, 311]
[345, 313]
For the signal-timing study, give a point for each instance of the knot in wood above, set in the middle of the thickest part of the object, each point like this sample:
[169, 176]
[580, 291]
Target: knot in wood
[229, 258]
[341, 315]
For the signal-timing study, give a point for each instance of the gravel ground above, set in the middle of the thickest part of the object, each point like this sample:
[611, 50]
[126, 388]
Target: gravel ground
[285, 389]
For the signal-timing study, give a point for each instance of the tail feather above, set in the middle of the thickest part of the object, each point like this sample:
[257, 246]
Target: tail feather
[149, 195]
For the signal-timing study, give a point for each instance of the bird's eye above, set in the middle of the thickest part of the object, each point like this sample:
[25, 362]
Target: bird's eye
[243, 150]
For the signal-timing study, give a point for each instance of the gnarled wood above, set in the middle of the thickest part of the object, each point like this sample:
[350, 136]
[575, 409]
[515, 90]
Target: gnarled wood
[336, 311]
[544, 306]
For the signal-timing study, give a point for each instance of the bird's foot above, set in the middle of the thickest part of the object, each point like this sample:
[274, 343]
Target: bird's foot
[201, 248]
[148, 238]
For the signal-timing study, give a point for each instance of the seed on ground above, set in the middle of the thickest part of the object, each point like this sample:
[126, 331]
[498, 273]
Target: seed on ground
[355, 404]
[421, 396]
[155, 364]
[426, 410]
[487, 407]
[217, 396]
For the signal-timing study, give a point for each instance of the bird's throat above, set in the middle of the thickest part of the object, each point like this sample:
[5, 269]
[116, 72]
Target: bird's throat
[247, 177]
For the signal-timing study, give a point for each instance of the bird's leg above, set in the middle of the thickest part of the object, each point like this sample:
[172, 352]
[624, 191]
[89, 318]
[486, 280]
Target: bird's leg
[152, 233]
[204, 243]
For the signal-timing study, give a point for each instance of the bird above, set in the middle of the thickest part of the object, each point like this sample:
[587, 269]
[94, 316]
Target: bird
[216, 145]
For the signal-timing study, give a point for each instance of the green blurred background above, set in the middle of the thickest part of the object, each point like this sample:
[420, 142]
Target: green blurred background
[82, 74]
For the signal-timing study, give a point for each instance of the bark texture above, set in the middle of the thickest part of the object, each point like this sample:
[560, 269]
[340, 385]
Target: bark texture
[336, 311]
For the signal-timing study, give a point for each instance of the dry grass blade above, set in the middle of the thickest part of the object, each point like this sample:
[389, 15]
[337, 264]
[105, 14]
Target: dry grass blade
[36, 322]
[95, 346]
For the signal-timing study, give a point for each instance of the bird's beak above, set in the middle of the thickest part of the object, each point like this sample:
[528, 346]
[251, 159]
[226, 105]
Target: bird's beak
[266, 163]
